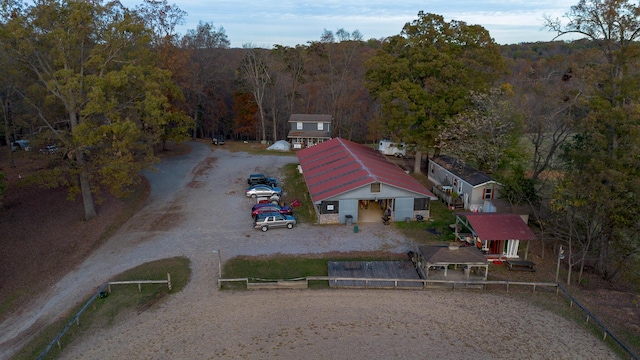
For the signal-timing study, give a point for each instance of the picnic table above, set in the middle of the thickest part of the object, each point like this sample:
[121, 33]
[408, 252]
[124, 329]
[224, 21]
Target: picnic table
[520, 265]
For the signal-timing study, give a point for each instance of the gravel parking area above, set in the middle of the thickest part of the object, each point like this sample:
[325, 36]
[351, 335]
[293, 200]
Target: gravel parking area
[197, 208]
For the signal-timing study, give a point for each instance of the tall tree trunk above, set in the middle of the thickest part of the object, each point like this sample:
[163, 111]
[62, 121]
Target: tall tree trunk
[85, 187]
[417, 164]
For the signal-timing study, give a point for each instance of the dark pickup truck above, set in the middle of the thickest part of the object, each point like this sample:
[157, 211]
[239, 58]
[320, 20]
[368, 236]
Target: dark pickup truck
[255, 179]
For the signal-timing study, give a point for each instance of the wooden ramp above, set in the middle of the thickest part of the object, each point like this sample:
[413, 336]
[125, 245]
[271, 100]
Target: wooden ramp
[373, 274]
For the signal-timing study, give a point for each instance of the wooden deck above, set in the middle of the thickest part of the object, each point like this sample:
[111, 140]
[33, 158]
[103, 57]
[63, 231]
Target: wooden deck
[377, 270]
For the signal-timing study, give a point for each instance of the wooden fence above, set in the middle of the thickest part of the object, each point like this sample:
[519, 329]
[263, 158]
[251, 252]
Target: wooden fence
[99, 293]
[140, 282]
[423, 284]
[381, 283]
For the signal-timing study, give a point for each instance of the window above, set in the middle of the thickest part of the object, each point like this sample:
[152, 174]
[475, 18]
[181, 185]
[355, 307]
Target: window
[488, 194]
[320, 126]
[298, 126]
[375, 187]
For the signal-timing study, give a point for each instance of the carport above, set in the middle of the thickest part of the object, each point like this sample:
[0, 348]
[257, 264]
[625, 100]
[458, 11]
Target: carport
[451, 262]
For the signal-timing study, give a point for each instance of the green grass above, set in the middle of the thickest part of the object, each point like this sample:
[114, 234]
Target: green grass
[440, 219]
[292, 267]
[250, 147]
[295, 187]
[124, 301]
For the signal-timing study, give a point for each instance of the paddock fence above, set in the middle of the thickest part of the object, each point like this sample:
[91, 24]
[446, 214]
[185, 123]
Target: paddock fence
[101, 293]
[418, 284]
[384, 283]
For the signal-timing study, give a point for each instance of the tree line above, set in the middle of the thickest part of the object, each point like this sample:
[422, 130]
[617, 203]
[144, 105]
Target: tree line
[555, 122]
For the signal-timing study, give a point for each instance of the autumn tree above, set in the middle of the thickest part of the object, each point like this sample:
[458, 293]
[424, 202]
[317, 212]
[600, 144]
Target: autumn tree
[206, 79]
[336, 77]
[162, 19]
[487, 133]
[601, 182]
[93, 60]
[425, 76]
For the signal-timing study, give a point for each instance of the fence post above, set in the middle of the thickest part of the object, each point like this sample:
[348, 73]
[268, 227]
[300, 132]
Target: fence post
[169, 281]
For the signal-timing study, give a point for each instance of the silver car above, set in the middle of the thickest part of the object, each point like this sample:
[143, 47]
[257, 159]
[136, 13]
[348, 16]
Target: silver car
[268, 220]
[262, 191]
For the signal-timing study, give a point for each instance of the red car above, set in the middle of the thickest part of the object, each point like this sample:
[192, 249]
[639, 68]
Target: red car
[267, 208]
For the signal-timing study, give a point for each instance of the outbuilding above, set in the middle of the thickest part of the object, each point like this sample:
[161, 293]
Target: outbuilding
[497, 235]
[461, 185]
[350, 182]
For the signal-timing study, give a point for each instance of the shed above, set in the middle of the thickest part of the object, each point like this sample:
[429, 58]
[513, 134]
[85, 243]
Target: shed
[497, 235]
[351, 181]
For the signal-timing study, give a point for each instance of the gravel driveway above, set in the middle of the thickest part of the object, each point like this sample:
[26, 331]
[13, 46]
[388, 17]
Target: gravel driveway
[197, 207]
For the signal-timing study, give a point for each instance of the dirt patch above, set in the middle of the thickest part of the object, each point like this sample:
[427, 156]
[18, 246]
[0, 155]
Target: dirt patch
[44, 234]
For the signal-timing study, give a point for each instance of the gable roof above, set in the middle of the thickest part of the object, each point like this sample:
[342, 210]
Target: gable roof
[442, 254]
[499, 226]
[337, 166]
[310, 118]
[459, 168]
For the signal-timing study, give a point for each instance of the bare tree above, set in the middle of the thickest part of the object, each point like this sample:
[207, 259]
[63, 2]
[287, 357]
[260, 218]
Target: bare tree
[254, 71]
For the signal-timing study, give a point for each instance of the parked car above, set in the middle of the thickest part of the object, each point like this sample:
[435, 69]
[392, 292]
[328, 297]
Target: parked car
[256, 179]
[270, 220]
[262, 191]
[50, 149]
[263, 200]
[217, 140]
[269, 208]
[20, 145]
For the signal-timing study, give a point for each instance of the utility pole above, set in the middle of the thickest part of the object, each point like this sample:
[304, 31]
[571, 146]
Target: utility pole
[560, 257]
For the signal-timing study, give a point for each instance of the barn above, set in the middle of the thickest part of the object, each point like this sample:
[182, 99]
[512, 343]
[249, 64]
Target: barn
[350, 182]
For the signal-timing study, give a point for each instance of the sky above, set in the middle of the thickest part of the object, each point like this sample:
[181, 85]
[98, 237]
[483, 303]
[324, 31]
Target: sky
[289, 22]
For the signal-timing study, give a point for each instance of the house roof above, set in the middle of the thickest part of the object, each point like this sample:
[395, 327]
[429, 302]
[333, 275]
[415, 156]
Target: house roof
[338, 166]
[459, 168]
[441, 254]
[499, 226]
[309, 134]
[310, 118]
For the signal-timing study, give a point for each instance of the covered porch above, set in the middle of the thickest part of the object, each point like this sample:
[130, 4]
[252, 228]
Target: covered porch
[496, 235]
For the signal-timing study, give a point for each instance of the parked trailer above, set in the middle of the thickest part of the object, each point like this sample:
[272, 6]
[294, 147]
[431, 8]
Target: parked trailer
[388, 147]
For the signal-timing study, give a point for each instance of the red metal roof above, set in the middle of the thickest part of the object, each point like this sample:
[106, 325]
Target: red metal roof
[337, 166]
[499, 226]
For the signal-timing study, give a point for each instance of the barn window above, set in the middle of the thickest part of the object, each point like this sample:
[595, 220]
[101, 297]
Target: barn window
[488, 194]
[375, 187]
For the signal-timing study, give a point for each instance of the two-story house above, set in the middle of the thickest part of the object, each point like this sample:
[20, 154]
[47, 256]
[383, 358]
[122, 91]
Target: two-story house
[309, 129]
